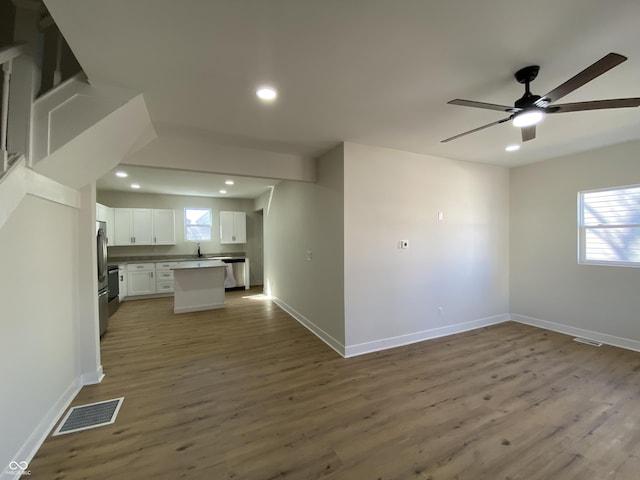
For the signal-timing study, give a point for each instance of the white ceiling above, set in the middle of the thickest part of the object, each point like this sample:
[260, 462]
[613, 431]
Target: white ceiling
[180, 182]
[377, 72]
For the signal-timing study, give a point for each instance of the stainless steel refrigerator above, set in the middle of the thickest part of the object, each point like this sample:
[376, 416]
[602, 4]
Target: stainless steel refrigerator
[103, 280]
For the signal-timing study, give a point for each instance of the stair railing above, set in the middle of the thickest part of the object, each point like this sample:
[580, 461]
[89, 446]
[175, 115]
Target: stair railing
[7, 54]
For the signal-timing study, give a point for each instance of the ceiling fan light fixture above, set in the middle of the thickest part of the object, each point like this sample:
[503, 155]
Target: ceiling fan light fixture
[267, 93]
[528, 118]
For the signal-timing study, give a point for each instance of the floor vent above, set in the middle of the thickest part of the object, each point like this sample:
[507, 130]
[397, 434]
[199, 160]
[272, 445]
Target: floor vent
[593, 343]
[88, 416]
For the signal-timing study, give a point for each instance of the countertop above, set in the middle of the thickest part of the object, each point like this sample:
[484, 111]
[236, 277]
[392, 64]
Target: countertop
[173, 258]
[199, 264]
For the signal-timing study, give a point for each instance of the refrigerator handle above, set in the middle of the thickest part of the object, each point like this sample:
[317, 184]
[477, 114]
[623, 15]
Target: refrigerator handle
[102, 255]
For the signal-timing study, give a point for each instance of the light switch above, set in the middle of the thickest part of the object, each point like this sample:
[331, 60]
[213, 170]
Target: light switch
[440, 215]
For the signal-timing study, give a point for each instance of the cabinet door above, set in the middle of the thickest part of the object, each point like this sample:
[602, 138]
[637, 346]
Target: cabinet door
[122, 284]
[123, 224]
[101, 215]
[142, 226]
[141, 283]
[164, 227]
[240, 227]
[105, 214]
[233, 227]
[226, 227]
[111, 230]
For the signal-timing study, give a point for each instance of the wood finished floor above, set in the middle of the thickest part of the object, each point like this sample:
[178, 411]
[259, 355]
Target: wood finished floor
[247, 393]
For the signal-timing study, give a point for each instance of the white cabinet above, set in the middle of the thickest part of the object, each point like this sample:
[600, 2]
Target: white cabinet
[164, 277]
[144, 226]
[133, 226]
[106, 214]
[122, 282]
[141, 279]
[233, 227]
[164, 227]
[123, 220]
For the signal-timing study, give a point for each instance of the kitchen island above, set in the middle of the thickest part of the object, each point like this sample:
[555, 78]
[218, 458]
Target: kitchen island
[198, 285]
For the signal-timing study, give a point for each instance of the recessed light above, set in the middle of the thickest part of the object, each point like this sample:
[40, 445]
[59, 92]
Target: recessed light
[121, 174]
[223, 191]
[135, 185]
[228, 182]
[512, 148]
[266, 93]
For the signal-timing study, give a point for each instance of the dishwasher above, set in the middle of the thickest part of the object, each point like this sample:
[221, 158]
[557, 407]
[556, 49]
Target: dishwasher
[236, 276]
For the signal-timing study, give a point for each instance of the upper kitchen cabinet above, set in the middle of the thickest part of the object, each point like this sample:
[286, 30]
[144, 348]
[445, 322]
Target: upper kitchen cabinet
[133, 226]
[233, 227]
[106, 214]
[164, 227]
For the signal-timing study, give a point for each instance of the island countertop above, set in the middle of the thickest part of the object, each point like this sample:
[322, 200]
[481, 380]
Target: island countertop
[199, 264]
[198, 285]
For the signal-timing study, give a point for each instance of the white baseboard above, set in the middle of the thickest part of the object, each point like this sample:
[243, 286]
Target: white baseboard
[198, 308]
[383, 344]
[30, 447]
[313, 328]
[578, 332]
[92, 378]
[392, 342]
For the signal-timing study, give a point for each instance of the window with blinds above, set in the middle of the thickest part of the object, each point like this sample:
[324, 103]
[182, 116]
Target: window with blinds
[609, 226]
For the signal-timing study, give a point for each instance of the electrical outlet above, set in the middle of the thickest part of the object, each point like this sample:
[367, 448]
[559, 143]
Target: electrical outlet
[440, 311]
[309, 255]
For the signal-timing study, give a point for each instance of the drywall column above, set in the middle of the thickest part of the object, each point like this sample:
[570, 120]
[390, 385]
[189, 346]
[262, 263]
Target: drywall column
[88, 337]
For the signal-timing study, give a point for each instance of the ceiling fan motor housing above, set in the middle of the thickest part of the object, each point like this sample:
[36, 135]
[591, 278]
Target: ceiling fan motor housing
[525, 76]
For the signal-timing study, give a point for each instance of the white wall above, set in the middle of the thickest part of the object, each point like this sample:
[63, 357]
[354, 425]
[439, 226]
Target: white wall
[301, 217]
[197, 152]
[79, 148]
[461, 263]
[547, 284]
[37, 325]
[178, 203]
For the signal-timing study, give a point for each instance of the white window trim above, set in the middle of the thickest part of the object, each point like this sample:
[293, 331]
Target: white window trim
[582, 229]
[184, 220]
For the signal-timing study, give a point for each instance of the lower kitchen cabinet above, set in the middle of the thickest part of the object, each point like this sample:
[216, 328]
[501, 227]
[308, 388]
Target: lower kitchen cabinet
[164, 277]
[122, 285]
[141, 279]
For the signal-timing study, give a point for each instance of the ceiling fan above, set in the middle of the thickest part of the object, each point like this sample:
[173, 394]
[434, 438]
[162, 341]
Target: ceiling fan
[530, 109]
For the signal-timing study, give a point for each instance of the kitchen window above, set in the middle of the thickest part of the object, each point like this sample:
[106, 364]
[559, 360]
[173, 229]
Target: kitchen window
[609, 226]
[197, 224]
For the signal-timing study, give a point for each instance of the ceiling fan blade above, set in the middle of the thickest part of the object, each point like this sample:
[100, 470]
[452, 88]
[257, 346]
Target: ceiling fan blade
[594, 105]
[486, 106]
[475, 130]
[528, 133]
[603, 65]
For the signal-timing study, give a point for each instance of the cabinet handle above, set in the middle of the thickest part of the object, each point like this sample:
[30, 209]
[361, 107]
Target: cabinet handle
[154, 240]
[151, 274]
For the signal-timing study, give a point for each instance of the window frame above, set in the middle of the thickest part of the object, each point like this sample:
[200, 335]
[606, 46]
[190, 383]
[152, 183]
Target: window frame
[583, 229]
[210, 224]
